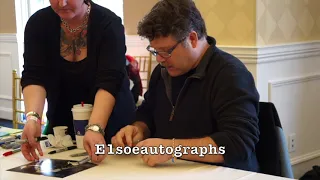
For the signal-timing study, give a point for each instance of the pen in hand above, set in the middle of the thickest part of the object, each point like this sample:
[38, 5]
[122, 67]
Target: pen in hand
[21, 141]
[82, 161]
[63, 149]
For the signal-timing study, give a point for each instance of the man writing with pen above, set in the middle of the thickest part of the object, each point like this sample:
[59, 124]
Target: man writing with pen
[198, 95]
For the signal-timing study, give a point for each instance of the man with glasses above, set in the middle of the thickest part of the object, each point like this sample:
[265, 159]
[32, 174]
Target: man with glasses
[198, 96]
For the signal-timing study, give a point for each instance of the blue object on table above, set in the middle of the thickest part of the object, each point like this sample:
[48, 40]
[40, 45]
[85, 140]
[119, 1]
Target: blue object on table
[2, 134]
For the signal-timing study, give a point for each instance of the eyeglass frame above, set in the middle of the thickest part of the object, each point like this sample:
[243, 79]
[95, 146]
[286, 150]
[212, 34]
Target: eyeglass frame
[169, 52]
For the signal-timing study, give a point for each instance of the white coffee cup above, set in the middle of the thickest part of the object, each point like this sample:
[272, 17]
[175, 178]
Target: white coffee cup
[81, 115]
[84, 105]
[60, 131]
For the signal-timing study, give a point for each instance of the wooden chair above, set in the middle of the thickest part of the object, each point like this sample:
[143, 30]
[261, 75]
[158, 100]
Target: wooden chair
[17, 101]
[145, 65]
[18, 111]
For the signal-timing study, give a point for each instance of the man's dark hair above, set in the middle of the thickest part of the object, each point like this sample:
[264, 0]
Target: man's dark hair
[172, 17]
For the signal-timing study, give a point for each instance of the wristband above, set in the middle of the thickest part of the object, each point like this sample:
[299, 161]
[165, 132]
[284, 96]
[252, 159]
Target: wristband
[33, 116]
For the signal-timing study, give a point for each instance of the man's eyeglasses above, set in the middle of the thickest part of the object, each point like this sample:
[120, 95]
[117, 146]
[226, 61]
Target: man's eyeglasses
[164, 54]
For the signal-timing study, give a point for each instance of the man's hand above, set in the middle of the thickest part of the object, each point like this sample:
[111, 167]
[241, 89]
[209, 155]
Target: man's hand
[127, 136]
[89, 141]
[154, 159]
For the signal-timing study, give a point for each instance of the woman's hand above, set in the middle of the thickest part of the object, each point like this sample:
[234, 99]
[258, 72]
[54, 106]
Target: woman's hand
[89, 141]
[31, 131]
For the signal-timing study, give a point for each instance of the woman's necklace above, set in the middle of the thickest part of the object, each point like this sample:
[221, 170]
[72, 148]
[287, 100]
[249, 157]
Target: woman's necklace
[72, 47]
[84, 23]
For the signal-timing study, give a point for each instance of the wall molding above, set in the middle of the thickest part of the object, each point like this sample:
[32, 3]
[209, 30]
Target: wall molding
[136, 41]
[5, 97]
[274, 53]
[6, 54]
[6, 113]
[294, 80]
[285, 52]
[255, 54]
[8, 38]
[305, 157]
[290, 81]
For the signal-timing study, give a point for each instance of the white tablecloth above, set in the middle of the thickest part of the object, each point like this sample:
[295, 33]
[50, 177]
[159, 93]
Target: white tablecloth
[116, 167]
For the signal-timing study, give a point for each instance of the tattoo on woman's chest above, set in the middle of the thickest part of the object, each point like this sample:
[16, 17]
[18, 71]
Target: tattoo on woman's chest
[73, 46]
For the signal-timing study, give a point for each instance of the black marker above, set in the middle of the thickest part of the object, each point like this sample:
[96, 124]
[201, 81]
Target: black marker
[63, 149]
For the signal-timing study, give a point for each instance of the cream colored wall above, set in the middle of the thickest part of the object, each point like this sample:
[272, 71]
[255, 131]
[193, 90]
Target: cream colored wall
[247, 22]
[134, 11]
[7, 17]
[237, 27]
[287, 21]
[231, 22]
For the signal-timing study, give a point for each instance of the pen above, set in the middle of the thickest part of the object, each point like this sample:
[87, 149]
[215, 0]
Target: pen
[84, 160]
[8, 145]
[16, 146]
[79, 154]
[4, 140]
[9, 138]
[63, 149]
[21, 141]
[11, 152]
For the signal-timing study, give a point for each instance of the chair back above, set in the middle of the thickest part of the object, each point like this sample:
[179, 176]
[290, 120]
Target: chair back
[145, 67]
[18, 110]
[272, 151]
[17, 101]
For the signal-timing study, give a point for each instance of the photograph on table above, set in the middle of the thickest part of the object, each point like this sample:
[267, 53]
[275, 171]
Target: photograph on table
[53, 167]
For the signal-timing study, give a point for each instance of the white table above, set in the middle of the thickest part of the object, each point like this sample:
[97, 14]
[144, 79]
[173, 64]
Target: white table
[118, 167]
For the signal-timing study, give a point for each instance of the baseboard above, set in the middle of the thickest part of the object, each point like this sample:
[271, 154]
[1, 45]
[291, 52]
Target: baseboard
[305, 157]
[5, 113]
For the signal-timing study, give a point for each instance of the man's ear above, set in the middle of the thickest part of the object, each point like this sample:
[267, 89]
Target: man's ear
[193, 37]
